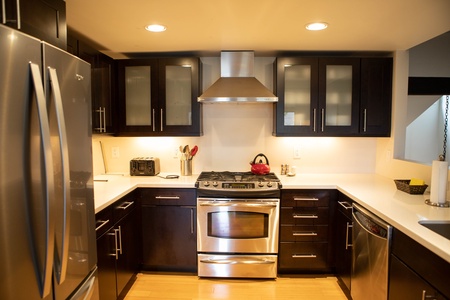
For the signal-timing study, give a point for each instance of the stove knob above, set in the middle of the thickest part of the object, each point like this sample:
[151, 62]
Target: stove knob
[269, 184]
[261, 184]
[215, 183]
[206, 183]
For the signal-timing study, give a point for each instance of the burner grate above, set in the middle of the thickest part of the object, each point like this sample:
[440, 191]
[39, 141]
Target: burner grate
[236, 176]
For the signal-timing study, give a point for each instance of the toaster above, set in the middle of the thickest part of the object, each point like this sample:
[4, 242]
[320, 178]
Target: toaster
[144, 166]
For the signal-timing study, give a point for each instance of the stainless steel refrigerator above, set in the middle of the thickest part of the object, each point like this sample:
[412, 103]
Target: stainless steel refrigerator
[47, 234]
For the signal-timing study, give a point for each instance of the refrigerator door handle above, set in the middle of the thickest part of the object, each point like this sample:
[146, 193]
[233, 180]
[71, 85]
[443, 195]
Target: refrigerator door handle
[63, 257]
[46, 273]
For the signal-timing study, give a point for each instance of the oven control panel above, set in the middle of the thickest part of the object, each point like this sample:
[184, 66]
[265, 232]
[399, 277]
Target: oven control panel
[237, 185]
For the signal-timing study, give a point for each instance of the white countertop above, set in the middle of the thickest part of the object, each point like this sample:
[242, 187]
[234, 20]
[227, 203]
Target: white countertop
[376, 193]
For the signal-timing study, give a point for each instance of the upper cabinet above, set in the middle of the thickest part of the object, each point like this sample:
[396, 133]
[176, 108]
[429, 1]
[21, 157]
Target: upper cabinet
[158, 97]
[43, 19]
[333, 96]
[102, 72]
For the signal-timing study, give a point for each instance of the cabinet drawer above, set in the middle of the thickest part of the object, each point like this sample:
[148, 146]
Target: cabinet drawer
[303, 256]
[168, 196]
[123, 206]
[304, 216]
[103, 221]
[292, 233]
[305, 198]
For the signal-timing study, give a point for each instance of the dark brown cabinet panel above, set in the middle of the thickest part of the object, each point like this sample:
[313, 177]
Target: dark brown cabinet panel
[158, 97]
[169, 230]
[43, 19]
[305, 234]
[343, 241]
[117, 247]
[333, 96]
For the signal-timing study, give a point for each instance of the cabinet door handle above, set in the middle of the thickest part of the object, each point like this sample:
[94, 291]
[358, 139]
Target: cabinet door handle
[126, 205]
[304, 256]
[100, 112]
[153, 119]
[116, 244]
[347, 235]
[365, 120]
[425, 296]
[306, 199]
[168, 197]
[345, 204]
[3, 12]
[18, 15]
[298, 216]
[304, 234]
[162, 115]
[314, 120]
[104, 119]
[120, 239]
[323, 119]
[103, 223]
[192, 220]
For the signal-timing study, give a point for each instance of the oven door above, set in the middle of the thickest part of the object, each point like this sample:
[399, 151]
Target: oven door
[237, 225]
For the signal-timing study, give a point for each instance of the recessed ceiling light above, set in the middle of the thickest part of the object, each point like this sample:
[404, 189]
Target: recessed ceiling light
[155, 28]
[316, 26]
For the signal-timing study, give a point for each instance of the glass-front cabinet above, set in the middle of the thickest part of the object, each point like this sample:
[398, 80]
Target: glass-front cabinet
[158, 96]
[317, 96]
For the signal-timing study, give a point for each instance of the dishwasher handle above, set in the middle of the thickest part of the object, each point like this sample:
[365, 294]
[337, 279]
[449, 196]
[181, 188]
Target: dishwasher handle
[371, 223]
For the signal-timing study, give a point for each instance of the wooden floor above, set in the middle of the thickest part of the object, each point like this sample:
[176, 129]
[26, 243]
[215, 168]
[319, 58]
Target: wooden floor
[169, 287]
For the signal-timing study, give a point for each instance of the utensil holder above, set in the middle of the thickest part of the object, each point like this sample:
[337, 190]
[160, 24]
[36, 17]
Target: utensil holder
[186, 167]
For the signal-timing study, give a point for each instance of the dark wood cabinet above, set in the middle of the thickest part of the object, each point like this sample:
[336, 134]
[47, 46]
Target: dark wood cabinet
[117, 247]
[415, 272]
[343, 241]
[376, 96]
[169, 230]
[305, 231]
[43, 19]
[158, 97]
[333, 96]
[102, 77]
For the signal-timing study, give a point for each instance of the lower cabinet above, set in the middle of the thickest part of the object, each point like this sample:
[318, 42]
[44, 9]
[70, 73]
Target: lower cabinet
[117, 248]
[343, 241]
[169, 230]
[305, 231]
[415, 272]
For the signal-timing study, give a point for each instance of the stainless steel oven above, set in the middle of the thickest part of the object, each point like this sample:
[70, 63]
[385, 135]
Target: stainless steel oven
[237, 230]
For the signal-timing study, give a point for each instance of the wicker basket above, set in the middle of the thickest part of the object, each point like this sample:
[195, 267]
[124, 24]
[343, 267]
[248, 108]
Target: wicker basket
[403, 185]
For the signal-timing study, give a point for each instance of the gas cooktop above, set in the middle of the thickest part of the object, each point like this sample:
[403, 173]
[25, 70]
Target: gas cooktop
[242, 184]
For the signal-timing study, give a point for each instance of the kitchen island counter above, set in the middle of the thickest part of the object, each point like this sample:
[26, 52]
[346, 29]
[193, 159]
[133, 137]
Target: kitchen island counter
[376, 193]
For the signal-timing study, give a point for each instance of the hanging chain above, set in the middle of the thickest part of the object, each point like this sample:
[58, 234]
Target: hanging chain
[445, 127]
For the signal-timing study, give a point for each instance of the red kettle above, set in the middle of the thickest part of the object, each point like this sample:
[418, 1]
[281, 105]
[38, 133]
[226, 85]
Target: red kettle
[260, 168]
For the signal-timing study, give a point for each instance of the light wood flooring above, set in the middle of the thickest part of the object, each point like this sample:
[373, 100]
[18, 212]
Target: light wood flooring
[190, 287]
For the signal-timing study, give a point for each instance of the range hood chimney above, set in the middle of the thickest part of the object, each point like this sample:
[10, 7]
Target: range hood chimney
[237, 82]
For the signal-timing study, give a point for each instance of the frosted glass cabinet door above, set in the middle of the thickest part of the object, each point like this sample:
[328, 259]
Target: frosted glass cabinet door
[297, 90]
[178, 95]
[138, 96]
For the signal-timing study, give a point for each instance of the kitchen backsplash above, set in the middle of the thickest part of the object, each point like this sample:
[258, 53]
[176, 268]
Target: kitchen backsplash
[233, 135]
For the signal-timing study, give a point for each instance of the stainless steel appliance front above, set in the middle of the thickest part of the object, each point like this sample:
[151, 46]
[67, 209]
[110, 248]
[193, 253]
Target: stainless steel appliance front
[235, 234]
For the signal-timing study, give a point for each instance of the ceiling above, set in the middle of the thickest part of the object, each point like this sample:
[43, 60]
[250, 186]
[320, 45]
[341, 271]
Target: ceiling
[260, 25]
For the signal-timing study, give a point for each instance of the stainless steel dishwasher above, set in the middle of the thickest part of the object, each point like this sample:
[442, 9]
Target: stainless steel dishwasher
[370, 257]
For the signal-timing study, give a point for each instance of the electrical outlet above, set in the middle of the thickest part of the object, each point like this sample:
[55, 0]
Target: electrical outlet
[115, 152]
[297, 151]
[176, 151]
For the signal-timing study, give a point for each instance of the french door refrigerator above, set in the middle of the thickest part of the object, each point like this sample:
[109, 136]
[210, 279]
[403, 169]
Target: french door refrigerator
[47, 234]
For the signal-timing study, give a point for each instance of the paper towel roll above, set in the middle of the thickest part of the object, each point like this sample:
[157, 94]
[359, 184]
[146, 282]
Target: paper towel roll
[439, 173]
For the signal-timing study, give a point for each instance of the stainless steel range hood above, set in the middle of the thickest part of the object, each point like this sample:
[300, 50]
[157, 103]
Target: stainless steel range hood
[237, 82]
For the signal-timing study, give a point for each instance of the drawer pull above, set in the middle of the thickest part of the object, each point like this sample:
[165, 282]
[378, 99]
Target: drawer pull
[101, 225]
[345, 204]
[126, 205]
[168, 197]
[304, 256]
[306, 199]
[304, 234]
[297, 216]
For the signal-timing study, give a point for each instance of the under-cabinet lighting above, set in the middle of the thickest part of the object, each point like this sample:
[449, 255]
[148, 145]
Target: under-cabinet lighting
[316, 26]
[156, 28]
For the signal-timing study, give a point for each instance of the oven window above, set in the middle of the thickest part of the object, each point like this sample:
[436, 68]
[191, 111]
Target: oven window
[238, 224]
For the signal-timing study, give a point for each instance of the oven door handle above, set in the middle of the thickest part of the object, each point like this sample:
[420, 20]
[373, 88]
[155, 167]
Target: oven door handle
[238, 260]
[240, 204]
